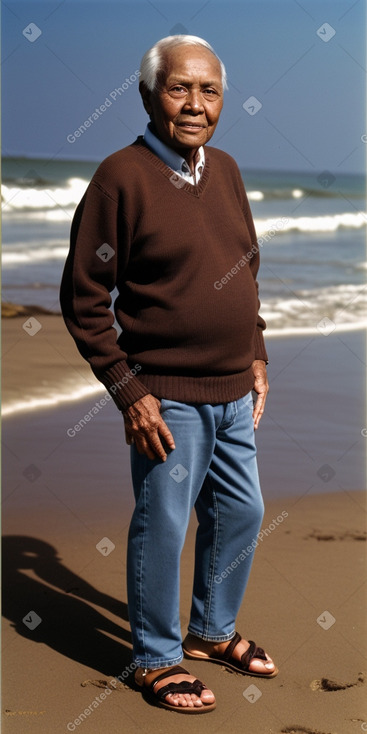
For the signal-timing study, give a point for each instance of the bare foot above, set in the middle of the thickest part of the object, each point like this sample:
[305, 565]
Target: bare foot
[197, 646]
[176, 699]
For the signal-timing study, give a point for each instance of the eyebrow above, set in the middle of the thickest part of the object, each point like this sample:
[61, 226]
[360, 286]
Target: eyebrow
[177, 80]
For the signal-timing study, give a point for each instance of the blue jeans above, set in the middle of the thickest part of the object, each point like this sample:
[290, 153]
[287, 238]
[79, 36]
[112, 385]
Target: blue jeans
[213, 469]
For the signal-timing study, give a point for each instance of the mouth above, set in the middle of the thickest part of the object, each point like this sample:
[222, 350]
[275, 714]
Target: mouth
[191, 126]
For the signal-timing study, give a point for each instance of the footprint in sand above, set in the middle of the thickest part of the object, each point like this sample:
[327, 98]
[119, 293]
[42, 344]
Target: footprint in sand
[325, 684]
[345, 535]
[105, 684]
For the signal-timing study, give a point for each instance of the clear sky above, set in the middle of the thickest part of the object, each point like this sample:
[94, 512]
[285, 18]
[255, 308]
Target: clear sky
[304, 62]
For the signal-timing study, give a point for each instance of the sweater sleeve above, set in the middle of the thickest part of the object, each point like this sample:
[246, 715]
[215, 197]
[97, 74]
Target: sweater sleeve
[99, 248]
[260, 350]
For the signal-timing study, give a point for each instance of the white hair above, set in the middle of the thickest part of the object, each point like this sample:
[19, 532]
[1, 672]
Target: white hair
[153, 60]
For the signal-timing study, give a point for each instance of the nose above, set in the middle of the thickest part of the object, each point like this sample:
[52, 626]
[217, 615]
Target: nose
[194, 101]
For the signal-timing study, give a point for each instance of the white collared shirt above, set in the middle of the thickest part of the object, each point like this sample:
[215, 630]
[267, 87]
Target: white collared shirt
[173, 160]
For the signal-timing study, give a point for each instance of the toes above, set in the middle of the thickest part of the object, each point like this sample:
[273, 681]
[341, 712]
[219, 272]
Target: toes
[258, 666]
[187, 700]
[207, 696]
[175, 699]
[198, 703]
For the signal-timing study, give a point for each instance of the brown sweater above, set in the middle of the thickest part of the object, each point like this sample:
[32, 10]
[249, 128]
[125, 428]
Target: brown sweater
[184, 259]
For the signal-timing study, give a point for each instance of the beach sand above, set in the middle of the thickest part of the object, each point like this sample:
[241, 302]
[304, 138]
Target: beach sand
[65, 494]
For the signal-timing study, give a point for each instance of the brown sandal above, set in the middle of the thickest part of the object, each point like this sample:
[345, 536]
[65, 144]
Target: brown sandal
[239, 666]
[158, 697]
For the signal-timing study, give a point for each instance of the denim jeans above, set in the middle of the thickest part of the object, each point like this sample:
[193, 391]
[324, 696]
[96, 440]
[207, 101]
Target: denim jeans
[213, 469]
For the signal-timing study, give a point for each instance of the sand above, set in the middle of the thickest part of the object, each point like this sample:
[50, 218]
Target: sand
[63, 495]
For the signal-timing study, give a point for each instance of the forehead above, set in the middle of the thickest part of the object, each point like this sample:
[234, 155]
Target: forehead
[191, 62]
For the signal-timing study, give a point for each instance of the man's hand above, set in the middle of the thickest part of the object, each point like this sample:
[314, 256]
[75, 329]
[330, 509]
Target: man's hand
[261, 386]
[145, 427]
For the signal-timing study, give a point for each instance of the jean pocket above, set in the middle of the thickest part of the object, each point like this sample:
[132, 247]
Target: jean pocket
[248, 401]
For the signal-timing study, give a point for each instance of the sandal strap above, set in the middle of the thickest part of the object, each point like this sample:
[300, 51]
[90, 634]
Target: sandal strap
[227, 654]
[184, 687]
[174, 670]
[252, 652]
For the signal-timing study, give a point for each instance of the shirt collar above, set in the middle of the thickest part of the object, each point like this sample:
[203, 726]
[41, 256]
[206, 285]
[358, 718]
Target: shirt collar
[169, 156]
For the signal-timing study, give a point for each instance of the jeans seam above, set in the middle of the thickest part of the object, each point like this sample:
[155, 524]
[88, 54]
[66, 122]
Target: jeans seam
[141, 567]
[159, 663]
[213, 556]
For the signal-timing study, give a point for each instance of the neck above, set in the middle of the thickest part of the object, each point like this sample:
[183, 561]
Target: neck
[191, 157]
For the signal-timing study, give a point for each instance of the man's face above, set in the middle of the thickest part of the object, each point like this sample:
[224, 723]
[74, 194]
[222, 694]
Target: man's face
[186, 106]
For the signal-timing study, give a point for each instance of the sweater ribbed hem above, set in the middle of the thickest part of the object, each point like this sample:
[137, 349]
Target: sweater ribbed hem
[260, 351]
[185, 389]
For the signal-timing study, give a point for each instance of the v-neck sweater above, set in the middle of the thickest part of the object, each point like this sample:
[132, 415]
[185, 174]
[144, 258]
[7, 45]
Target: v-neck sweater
[184, 259]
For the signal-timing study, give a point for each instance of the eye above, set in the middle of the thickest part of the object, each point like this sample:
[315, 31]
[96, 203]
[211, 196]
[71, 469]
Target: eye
[178, 88]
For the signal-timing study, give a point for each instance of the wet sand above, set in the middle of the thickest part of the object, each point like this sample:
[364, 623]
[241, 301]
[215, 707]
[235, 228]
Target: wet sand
[65, 494]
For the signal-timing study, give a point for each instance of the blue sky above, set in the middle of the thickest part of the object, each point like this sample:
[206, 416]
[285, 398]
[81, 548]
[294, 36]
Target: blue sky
[310, 82]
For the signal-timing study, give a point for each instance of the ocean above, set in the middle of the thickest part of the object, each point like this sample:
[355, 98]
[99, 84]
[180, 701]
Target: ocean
[311, 232]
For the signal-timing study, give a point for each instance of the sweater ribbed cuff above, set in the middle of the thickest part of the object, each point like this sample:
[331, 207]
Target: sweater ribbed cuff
[260, 351]
[123, 385]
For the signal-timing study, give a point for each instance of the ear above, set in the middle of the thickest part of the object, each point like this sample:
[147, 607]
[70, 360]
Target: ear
[146, 97]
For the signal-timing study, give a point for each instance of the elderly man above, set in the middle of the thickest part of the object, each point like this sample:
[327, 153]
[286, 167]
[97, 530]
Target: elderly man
[167, 222]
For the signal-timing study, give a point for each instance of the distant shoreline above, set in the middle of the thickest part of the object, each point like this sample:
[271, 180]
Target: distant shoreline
[296, 172]
[15, 310]
[43, 370]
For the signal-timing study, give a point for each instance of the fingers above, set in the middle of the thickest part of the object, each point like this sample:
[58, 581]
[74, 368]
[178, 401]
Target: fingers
[155, 445]
[166, 434]
[261, 387]
[145, 427]
[259, 409]
[143, 447]
[149, 442]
